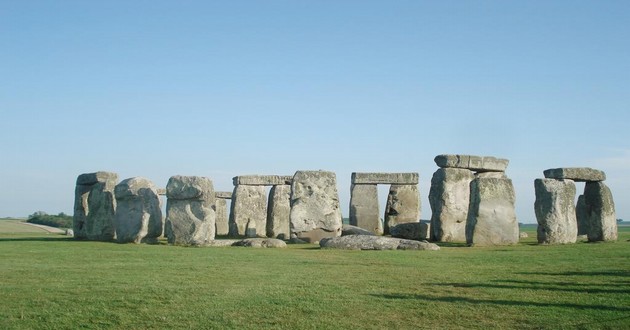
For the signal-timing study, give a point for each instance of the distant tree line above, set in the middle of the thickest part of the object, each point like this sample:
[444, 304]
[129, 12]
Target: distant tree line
[60, 220]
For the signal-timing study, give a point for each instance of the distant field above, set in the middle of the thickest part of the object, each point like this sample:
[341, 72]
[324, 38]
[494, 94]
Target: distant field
[18, 226]
[48, 281]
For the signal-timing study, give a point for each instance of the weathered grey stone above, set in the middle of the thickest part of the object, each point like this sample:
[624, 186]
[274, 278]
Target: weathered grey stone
[262, 180]
[365, 242]
[69, 233]
[579, 174]
[523, 235]
[190, 221]
[581, 216]
[95, 206]
[385, 178]
[413, 230]
[138, 212]
[261, 243]
[278, 212]
[222, 242]
[496, 175]
[473, 163]
[555, 211]
[364, 210]
[315, 212]
[248, 216]
[403, 205]
[600, 209]
[222, 226]
[491, 216]
[354, 230]
[223, 194]
[161, 191]
[449, 198]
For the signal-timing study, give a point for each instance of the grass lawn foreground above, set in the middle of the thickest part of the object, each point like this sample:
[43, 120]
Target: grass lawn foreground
[50, 281]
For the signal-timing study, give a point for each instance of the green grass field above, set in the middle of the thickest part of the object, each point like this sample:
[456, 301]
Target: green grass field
[49, 281]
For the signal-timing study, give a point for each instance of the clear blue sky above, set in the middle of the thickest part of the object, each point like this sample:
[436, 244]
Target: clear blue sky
[225, 88]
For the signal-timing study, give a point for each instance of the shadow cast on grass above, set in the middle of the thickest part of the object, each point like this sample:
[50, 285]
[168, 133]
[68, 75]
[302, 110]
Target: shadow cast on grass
[621, 273]
[569, 287]
[38, 239]
[465, 300]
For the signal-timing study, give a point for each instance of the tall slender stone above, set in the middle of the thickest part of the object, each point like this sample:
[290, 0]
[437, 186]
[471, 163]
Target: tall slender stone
[278, 212]
[138, 211]
[190, 210]
[248, 216]
[95, 206]
[555, 211]
[364, 210]
[581, 216]
[315, 212]
[600, 209]
[449, 198]
[222, 217]
[403, 206]
[491, 216]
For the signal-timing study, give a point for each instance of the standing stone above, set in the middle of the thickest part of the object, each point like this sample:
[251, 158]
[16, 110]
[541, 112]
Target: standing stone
[222, 216]
[449, 198]
[581, 216]
[403, 206]
[138, 211]
[248, 216]
[555, 211]
[190, 210]
[364, 210]
[95, 206]
[315, 212]
[278, 212]
[491, 216]
[600, 209]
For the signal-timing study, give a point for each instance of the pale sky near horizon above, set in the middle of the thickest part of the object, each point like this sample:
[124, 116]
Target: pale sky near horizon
[226, 88]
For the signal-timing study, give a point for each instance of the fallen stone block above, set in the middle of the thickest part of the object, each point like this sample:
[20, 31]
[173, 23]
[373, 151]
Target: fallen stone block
[364, 242]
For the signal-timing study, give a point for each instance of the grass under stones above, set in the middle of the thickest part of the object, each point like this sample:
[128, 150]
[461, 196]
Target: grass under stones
[49, 281]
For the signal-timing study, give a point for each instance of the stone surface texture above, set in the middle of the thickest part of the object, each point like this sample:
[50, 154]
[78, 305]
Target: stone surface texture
[278, 212]
[449, 198]
[473, 163]
[364, 208]
[600, 210]
[223, 194]
[354, 230]
[262, 180]
[412, 230]
[385, 178]
[579, 174]
[138, 211]
[261, 243]
[95, 206]
[555, 211]
[190, 210]
[248, 217]
[315, 212]
[403, 206]
[581, 216]
[365, 242]
[222, 227]
[491, 215]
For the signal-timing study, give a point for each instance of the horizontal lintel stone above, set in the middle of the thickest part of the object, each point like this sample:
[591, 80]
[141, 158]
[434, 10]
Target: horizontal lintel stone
[385, 178]
[223, 194]
[93, 178]
[579, 174]
[473, 163]
[262, 180]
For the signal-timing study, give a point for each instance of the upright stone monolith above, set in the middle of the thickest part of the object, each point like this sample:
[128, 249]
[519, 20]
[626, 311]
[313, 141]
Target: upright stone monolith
[248, 216]
[222, 217]
[403, 205]
[278, 212]
[491, 215]
[315, 212]
[138, 212]
[600, 210]
[581, 216]
[364, 210]
[555, 211]
[190, 210]
[449, 198]
[95, 206]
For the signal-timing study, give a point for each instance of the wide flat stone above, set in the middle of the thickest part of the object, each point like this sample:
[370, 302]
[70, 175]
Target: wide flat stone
[364, 210]
[262, 180]
[96, 177]
[385, 178]
[138, 217]
[403, 206]
[600, 212]
[491, 215]
[223, 194]
[365, 242]
[473, 163]
[555, 211]
[449, 197]
[579, 174]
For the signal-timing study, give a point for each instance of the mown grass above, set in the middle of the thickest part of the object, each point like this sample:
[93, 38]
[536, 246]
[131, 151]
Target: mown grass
[51, 282]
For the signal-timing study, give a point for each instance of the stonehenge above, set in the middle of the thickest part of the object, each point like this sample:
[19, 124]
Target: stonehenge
[190, 210]
[222, 213]
[95, 206]
[472, 200]
[403, 202]
[138, 212]
[560, 221]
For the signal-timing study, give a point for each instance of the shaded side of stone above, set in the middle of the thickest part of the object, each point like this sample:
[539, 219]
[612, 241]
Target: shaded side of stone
[95, 206]
[364, 208]
[600, 209]
[449, 198]
[555, 211]
[278, 212]
[418, 231]
[403, 206]
[581, 216]
[491, 215]
[248, 216]
[354, 230]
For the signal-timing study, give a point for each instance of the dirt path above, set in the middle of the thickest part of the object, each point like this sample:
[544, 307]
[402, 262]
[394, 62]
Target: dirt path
[46, 228]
